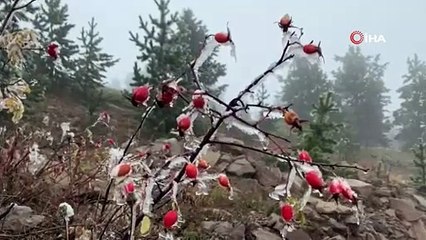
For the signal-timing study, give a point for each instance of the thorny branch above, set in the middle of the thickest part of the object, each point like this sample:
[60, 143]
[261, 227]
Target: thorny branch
[143, 119]
[207, 139]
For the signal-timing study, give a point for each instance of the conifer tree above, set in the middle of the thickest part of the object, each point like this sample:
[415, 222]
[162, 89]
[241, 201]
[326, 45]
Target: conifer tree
[91, 67]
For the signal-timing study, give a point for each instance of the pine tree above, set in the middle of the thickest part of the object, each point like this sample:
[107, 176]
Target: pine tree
[169, 44]
[52, 25]
[420, 163]
[261, 95]
[411, 116]
[91, 67]
[319, 139]
[361, 91]
[303, 86]
[190, 34]
[19, 17]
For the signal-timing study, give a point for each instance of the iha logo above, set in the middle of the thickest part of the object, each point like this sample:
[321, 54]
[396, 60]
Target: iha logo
[358, 37]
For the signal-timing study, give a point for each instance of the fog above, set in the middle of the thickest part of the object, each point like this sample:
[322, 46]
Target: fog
[258, 40]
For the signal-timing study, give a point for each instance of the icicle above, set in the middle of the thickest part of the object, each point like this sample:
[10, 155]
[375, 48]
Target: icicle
[146, 209]
[279, 190]
[305, 198]
[176, 162]
[174, 193]
[209, 46]
[251, 131]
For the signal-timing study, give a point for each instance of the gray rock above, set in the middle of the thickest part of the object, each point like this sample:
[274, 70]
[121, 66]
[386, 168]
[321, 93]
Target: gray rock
[383, 192]
[329, 207]
[405, 210]
[241, 168]
[212, 157]
[238, 232]
[228, 148]
[298, 234]
[338, 237]
[421, 201]
[338, 227]
[390, 212]
[363, 188]
[20, 218]
[223, 228]
[275, 222]
[418, 230]
[223, 162]
[268, 177]
[263, 234]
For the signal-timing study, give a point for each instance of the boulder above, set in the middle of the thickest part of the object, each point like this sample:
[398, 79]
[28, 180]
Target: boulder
[421, 201]
[275, 222]
[238, 232]
[269, 176]
[404, 209]
[323, 207]
[263, 234]
[20, 218]
[298, 234]
[229, 148]
[242, 168]
[418, 230]
[222, 228]
[212, 157]
[223, 162]
[362, 188]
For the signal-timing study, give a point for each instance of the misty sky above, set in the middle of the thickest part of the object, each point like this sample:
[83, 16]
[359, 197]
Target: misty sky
[258, 39]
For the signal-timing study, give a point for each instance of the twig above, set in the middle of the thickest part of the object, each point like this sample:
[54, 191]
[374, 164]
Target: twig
[109, 222]
[25, 5]
[8, 16]
[144, 117]
[3, 215]
[214, 128]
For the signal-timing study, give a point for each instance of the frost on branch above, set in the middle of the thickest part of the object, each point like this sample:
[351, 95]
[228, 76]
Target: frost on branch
[11, 98]
[15, 43]
[36, 159]
[212, 42]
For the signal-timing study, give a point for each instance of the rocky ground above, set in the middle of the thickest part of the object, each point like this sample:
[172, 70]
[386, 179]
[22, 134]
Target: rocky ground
[390, 210]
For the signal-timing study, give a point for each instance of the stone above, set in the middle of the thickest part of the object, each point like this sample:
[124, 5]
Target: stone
[274, 222]
[311, 214]
[362, 188]
[212, 157]
[242, 168]
[298, 234]
[223, 228]
[234, 150]
[238, 232]
[323, 207]
[418, 230]
[263, 234]
[383, 192]
[336, 226]
[338, 237]
[223, 162]
[404, 209]
[268, 176]
[390, 212]
[20, 218]
[421, 201]
[351, 220]
[369, 236]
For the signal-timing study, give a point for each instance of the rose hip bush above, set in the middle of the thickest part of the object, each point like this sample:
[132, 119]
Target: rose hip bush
[37, 160]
